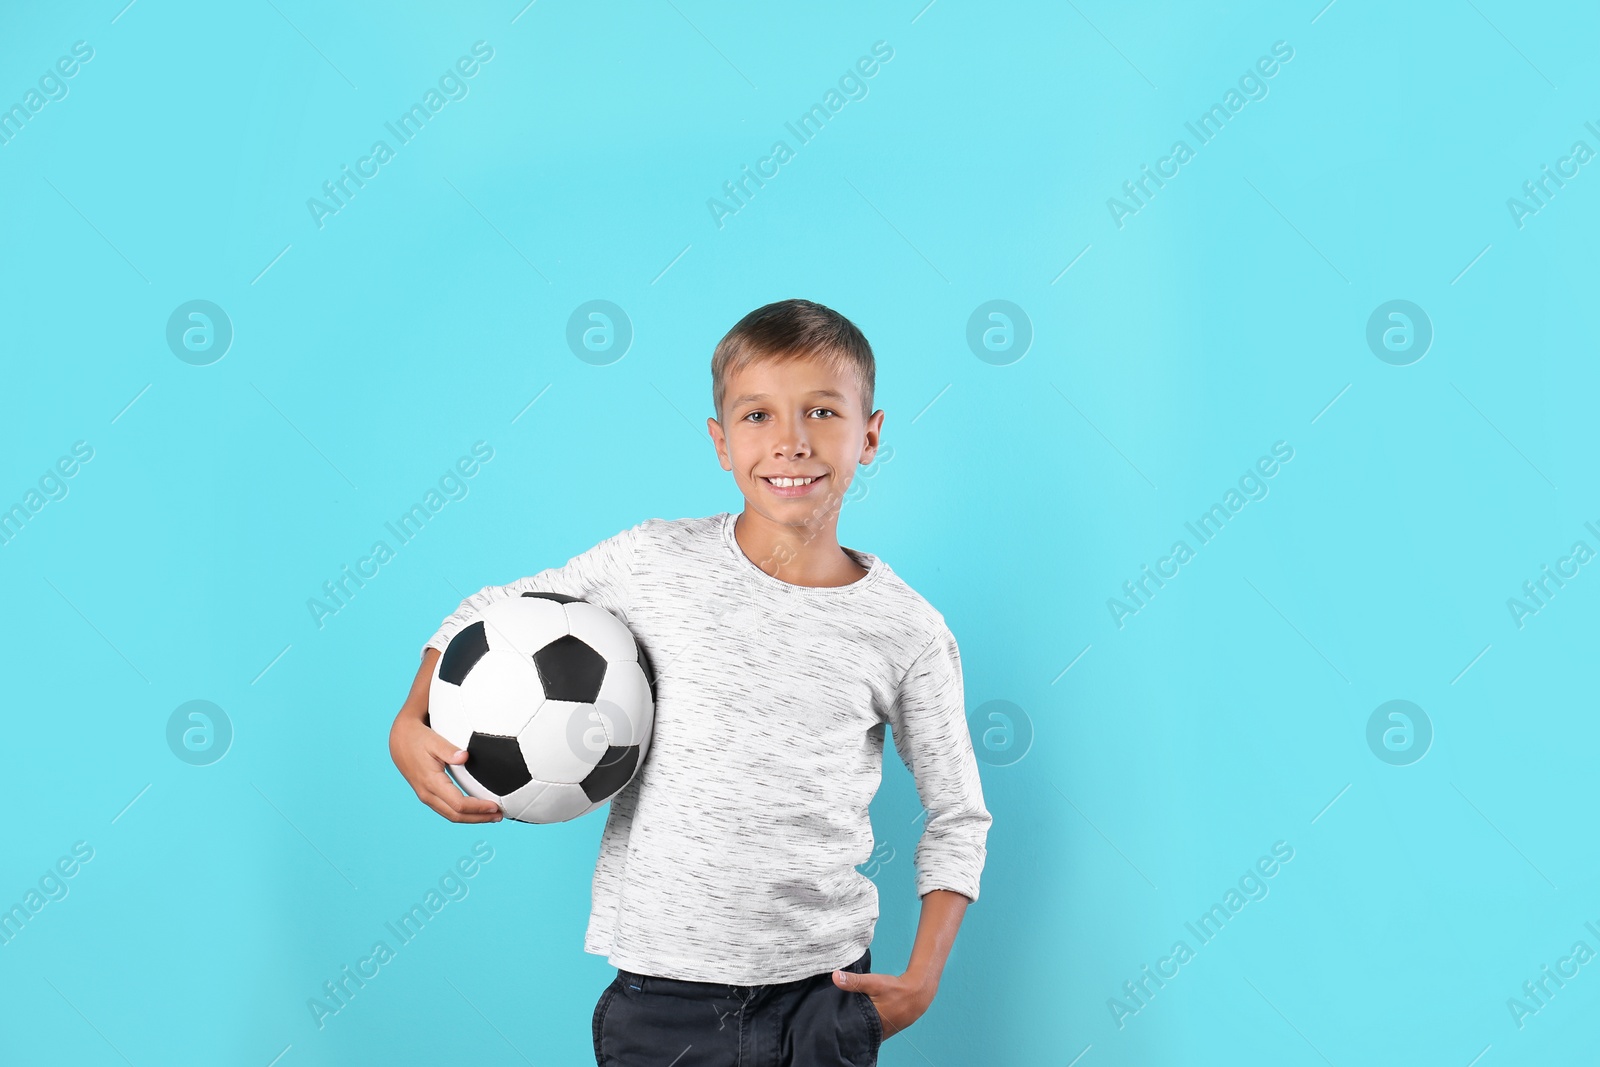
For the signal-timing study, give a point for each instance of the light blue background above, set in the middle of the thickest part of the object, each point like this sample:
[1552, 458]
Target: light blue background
[368, 355]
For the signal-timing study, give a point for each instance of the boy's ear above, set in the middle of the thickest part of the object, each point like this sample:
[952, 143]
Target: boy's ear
[874, 433]
[720, 442]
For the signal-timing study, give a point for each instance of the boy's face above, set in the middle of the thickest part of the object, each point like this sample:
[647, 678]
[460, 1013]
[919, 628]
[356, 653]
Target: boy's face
[799, 418]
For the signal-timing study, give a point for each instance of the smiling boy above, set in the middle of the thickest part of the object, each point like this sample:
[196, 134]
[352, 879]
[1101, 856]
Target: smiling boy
[726, 892]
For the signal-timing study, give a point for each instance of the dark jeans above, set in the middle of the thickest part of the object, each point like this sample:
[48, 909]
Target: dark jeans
[645, 1021]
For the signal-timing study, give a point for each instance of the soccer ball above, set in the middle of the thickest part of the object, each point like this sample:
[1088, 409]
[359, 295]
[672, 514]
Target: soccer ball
[553, 700]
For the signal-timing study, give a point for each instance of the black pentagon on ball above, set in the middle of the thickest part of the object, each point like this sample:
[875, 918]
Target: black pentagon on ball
[496, 762]
[559, 598]
[649, 671]
[611, 773]
[570, 670]
[463, 653]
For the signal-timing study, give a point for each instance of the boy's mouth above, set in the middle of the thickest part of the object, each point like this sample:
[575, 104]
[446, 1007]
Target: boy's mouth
[797, 487]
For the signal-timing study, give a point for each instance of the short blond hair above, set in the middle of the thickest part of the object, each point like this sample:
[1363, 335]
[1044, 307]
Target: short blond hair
[789, 330]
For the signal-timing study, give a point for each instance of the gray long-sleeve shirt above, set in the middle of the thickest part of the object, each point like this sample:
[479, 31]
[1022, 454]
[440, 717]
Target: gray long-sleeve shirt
[731, 856]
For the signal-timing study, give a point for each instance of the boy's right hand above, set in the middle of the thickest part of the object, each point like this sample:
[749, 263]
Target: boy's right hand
[420, 754]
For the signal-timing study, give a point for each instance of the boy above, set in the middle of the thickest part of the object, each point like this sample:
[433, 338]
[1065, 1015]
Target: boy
[726, 892]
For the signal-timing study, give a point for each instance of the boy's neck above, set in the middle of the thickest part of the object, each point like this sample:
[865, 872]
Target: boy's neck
[806, 555]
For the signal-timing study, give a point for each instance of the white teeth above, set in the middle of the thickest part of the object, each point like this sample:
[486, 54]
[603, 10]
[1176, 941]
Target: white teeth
[785, 483]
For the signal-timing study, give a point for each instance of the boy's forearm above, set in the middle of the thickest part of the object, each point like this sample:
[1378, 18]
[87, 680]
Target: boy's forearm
[942, 911]
[416, 703]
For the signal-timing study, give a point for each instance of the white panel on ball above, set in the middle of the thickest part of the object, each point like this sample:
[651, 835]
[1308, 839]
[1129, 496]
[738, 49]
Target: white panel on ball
[563, 742]
[519, 802]
[592, 807]
[447, 715]
[558, 804]
[626, 692]
[503, 690]
[601, 631]
[524, 624]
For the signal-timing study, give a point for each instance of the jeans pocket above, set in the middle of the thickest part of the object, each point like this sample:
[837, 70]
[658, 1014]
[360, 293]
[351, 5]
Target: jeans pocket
[869, 1012]
[599, 1020]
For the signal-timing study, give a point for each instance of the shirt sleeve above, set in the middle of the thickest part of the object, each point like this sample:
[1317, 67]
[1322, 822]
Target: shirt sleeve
[599, 575]
[930, 733]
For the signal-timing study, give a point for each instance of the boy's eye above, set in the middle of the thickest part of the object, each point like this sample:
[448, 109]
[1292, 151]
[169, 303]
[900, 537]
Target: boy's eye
[753, 414]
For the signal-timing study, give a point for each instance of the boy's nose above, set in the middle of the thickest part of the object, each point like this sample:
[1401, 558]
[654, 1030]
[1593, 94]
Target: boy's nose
[792, 442]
